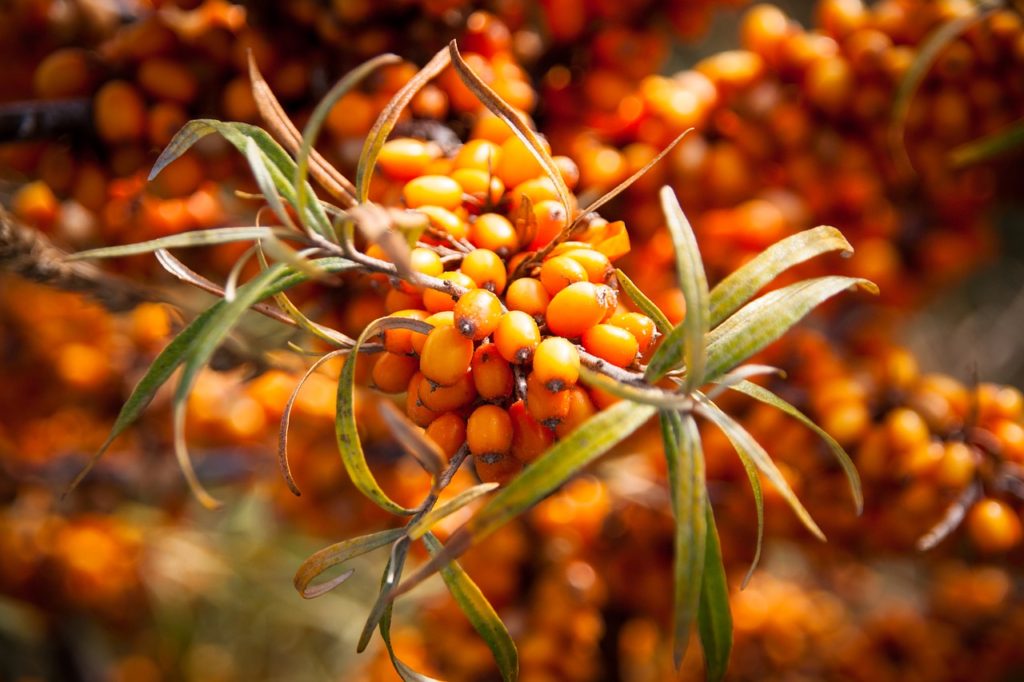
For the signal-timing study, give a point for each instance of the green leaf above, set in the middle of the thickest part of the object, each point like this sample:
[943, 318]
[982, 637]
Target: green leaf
[259, 164]
[745, 443]
[1010, 138]
[765, 396]
[714, 621]
[739, 287]
[336, 554]
[694, 284]
[688, 490]
[156, 376]
[316, 120]
[423, 525]
[349, 447]
[589, 441]
[220, 235]
[646, 305]
[385, 123]
[479, 612]
[767, 318]
[404, 671]
[510, 116]
[636, 393]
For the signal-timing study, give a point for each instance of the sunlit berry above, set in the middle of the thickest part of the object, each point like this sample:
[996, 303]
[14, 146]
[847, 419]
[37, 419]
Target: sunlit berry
[530, 439]
[595, 263]
[559, 272]
[993, 526]
[443, 220]
[406, 158]
[437, 301]
[528, 295]
[446, 355]
[444, 318]
[581, 408]
[556, 363]
[486, 269]
[419, 413]
[575, 309]
[495, 232]
[550, 217]
[478, 183]
[447, 398]
[492, 374]
[478, 314]
[547, 407]
[497, 468]
[489, 431]
[392, 373]
[479, 154]
[611, 344]
[516, 337]
[432, 190]
[399, 341]
[516, 163]
[639, 325]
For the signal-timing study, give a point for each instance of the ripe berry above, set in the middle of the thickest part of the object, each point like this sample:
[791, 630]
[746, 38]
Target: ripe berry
[639, 325]
[495, 232]
[489, 431]
[596, 264]
[437, 301]
[547, 407]
[478, 183]
[612, 344]
[486, 269]
[479, 154]
[492, 374]
[443, 220]
[581, 408]
[994, 526]
[445, 318]
[449, 432]
[432, 190]
[497, 468]
[446, 355]
[399, 341]
[516, 337]
[392, 373]
[550, 217]
[405, 158]
[559, 272]
[477, 314]
[575, 309]
[447, 398]
[419, 413]
[556, 363]
[530, 439]
[528, 295]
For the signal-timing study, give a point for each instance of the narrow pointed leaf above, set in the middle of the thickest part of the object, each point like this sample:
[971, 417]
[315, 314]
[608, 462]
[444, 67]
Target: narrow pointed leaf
[506, 113]
[646, 305]
[404, 671]
[337, 554]
[319, 115]
[590, 440]
[385, 123]
[260, 167]
[169, 359]
[446, 509]
[413, 440]
[636, 393]
[714, 621]
[382, 606]
[1010, 138]
[347, 435]
[694, 284]
[220, 235]
[767, 318]
[687, 488]
[739, 287]
[740, 375]
[765, 396]
[743, 441]
[480, 613]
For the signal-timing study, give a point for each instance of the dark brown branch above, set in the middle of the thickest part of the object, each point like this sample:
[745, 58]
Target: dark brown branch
[39, 120]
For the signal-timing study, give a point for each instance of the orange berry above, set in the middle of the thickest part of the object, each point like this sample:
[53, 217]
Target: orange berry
[406, 158]
[449, 433]
[432, 190]
[612, 344]
[547, 407]
[581, 408]
[596, 264]
[447, 398]
[958, 464]
[419, 413]
[489, 431]
[556, 363]
[550, 217]
[569, 171]
[36, 204]
[575, 309]
[497, 468]
[446, 355]
[516, 163]
[443, 220]
[401, 299]
[478, 183]
[437, 301]
[528, 295]
[492, 374]
[167, 79]
[993, 526]
[486, 269]
[602, 398]
[479, 154]
[537, 190]
[64, 73]
[445, 318]
[425, 261]
[119, 112]
[529, 437]
[906, 429]
[559, 272]
[478, 313]
[517, 337]
[392, 373]
[495, 232]
[399, 341]
[639, 325]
